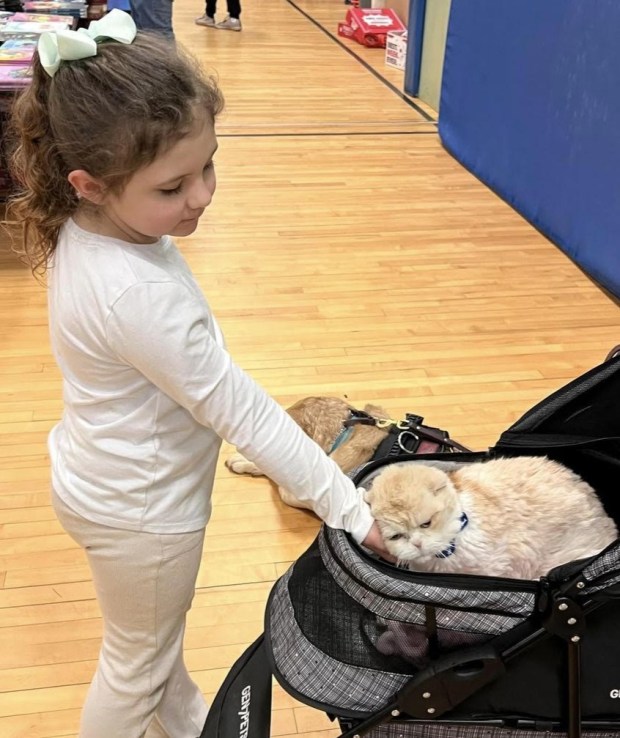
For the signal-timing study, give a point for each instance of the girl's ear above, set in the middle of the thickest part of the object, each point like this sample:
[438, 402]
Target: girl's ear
[86, 186]
[367, 494]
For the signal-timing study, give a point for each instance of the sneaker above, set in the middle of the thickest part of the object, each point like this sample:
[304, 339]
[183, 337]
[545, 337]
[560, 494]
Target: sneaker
[229, 24]
[205, 20]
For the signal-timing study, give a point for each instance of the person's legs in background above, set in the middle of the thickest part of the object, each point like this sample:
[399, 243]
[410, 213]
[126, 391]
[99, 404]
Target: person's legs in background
[232, 22]
[153, 15]
[208, 19]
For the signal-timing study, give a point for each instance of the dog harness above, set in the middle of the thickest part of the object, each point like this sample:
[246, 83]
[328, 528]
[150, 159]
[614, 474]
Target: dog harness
[408, 436]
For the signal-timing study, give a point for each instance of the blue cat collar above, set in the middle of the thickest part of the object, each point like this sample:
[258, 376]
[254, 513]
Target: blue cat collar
[452, 547]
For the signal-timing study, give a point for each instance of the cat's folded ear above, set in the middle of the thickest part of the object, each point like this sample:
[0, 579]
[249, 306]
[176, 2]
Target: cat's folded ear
[367, 494]
[452, 475]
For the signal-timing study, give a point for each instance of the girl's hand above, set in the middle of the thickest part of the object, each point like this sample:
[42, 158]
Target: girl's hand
[374, 541]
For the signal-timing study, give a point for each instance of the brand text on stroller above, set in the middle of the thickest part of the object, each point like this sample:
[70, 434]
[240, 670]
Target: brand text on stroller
[615, 694]
[244, 713]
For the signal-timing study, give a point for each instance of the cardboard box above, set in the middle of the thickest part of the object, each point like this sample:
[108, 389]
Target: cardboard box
[396, 49]
[345, 30]
[370, 26]
[401, 7]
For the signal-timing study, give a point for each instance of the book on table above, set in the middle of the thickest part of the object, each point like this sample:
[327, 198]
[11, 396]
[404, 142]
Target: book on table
[16, 50]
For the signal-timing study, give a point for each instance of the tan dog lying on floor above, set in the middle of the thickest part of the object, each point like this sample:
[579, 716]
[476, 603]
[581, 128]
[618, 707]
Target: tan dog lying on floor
[323, 419]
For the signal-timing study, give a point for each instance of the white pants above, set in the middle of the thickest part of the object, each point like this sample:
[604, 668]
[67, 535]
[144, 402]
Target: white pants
[145, 584]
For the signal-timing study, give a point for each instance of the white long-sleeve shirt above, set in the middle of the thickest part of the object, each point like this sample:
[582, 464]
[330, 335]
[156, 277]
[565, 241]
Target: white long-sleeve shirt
[150, 390]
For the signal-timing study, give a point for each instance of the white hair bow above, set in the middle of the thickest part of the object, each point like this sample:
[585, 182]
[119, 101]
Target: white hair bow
[58, 46]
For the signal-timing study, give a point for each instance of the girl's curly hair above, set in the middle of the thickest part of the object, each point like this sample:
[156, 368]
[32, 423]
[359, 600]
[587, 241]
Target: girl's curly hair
[111, 115]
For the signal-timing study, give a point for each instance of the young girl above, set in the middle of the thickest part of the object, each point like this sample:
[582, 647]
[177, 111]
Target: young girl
[115, 151]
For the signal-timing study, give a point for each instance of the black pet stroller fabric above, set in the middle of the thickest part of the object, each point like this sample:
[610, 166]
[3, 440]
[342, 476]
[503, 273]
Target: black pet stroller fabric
[423, 655]
[328, 615]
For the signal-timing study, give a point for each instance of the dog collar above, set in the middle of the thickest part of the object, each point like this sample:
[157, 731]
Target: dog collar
[340, 439]
[452, 547]
[357, 417]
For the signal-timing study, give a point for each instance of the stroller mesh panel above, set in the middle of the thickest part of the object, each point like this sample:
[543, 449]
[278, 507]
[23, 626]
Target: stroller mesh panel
[319, 676]
[333, 621]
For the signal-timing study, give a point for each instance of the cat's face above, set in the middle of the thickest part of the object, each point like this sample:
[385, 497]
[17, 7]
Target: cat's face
[417, 509]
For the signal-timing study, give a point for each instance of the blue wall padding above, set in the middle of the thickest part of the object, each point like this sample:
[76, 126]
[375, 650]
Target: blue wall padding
[415, 39]
[530, 104]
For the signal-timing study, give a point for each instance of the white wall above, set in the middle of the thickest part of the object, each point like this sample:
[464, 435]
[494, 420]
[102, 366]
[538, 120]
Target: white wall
[433, 50]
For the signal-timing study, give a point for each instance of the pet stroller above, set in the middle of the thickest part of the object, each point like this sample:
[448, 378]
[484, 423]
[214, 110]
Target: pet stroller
[480, 657]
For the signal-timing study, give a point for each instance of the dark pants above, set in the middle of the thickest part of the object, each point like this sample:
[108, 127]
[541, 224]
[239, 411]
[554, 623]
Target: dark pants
[234, 8]
[153, 15]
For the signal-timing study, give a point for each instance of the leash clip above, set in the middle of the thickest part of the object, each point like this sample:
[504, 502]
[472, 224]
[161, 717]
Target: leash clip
[386, 423]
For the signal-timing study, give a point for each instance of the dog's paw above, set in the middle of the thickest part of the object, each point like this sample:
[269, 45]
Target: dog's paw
[240, 465]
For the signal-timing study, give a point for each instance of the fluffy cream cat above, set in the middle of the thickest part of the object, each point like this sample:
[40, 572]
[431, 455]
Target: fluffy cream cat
[514, 517]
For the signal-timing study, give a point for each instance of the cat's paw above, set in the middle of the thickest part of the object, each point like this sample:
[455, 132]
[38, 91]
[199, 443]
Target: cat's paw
[240, 465]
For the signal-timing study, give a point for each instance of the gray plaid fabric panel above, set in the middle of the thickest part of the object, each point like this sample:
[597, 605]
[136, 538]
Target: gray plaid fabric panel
[317, 676]
[437, 730]
[604, 571]
[411, 612]
[364, 577]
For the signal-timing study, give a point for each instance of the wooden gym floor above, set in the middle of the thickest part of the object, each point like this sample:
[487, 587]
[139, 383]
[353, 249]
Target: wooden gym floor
[346, 253]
